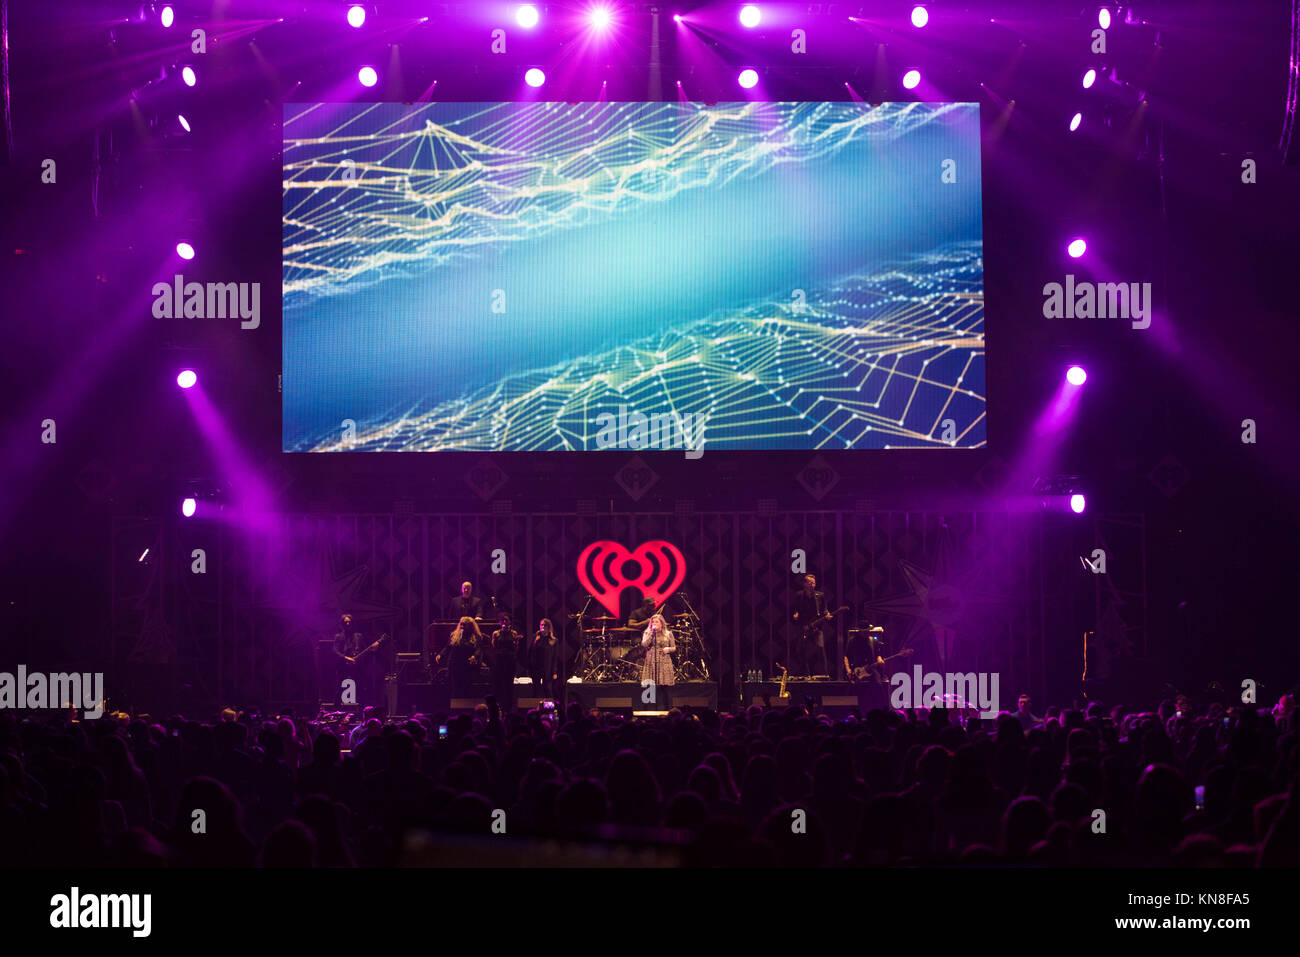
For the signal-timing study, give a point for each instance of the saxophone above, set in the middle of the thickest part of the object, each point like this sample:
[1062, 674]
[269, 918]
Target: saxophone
[781, 692]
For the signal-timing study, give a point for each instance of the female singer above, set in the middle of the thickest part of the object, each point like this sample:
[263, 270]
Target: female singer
[658, 665]
[541, 659]
[505, 656]
[461, 657]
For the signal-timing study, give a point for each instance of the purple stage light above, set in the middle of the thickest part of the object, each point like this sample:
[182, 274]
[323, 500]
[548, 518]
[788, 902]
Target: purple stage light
[912, 79]
[1077, 503]
[185, 250]
[188, 507]
[1075, 121]
[1089, 79]
[750, 16]
[356, 16]
[748, 79]
[534, 77]
[187, 379]
[600, 18]
[1076, 248]
[367, 76]
[188, 76]
[1103, 18]
[527, 16]
[677, 17]
[185, 124]
[920, 17]
[1076, 375]
[168, 16]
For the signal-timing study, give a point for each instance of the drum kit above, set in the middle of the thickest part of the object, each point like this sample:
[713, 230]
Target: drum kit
[612, 652]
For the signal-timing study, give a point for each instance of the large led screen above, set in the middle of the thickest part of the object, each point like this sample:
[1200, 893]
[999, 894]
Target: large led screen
[675, 276]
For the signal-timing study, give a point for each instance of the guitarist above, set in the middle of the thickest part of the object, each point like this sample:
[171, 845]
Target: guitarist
[860, 653]
[811, 614]
[868, 669]
[362, 668]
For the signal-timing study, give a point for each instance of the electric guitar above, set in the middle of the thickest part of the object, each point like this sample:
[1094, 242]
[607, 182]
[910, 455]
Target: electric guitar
[876, 668]
[818, 622]
[369, 648]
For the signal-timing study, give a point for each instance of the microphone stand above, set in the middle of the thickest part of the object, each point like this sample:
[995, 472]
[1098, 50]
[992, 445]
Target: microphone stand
[564, 649]
[657, 652]
[681, 595]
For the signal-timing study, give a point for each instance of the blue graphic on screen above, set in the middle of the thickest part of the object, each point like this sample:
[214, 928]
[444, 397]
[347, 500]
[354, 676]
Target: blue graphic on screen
[519, 276]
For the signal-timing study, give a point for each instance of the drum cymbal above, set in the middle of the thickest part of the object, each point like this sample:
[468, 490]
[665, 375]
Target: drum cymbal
[602, 618]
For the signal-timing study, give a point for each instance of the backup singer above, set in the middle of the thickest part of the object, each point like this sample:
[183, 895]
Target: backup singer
[461, 657]
[542, 657]
[505, 651]
[659, 642]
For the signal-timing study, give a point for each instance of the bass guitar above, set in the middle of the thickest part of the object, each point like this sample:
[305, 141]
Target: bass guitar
[876, 669]
[818, 622]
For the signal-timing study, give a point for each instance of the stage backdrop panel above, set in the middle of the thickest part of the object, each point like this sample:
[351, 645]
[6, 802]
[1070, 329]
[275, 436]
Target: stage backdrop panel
[965, 590]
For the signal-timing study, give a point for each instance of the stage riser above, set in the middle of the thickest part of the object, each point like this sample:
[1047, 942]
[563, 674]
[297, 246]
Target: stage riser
[626, 697]
[835, 698]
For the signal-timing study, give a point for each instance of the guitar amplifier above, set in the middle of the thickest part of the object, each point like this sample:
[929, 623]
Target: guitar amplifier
[410, 667]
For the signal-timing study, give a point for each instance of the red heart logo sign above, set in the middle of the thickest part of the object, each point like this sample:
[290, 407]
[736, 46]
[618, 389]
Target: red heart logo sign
[601, 564]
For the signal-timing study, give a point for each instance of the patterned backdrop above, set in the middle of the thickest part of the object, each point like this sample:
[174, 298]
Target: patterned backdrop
[961, 589]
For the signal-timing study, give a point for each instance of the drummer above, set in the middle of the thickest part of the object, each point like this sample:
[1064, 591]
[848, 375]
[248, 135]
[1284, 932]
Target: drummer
[641, 614]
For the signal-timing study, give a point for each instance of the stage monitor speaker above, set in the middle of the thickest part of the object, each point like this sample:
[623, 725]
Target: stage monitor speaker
[421, 698]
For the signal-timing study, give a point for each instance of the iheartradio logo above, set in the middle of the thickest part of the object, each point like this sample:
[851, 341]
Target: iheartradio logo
[606, 568]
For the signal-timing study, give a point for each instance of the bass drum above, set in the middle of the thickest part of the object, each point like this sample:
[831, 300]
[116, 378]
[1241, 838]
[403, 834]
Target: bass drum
[625, 644]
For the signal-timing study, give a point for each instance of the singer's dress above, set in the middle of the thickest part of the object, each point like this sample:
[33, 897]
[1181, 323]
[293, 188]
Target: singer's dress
[658, 663]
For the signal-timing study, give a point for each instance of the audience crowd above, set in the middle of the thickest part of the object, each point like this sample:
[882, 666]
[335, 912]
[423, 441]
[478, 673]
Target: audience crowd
[765, 787]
